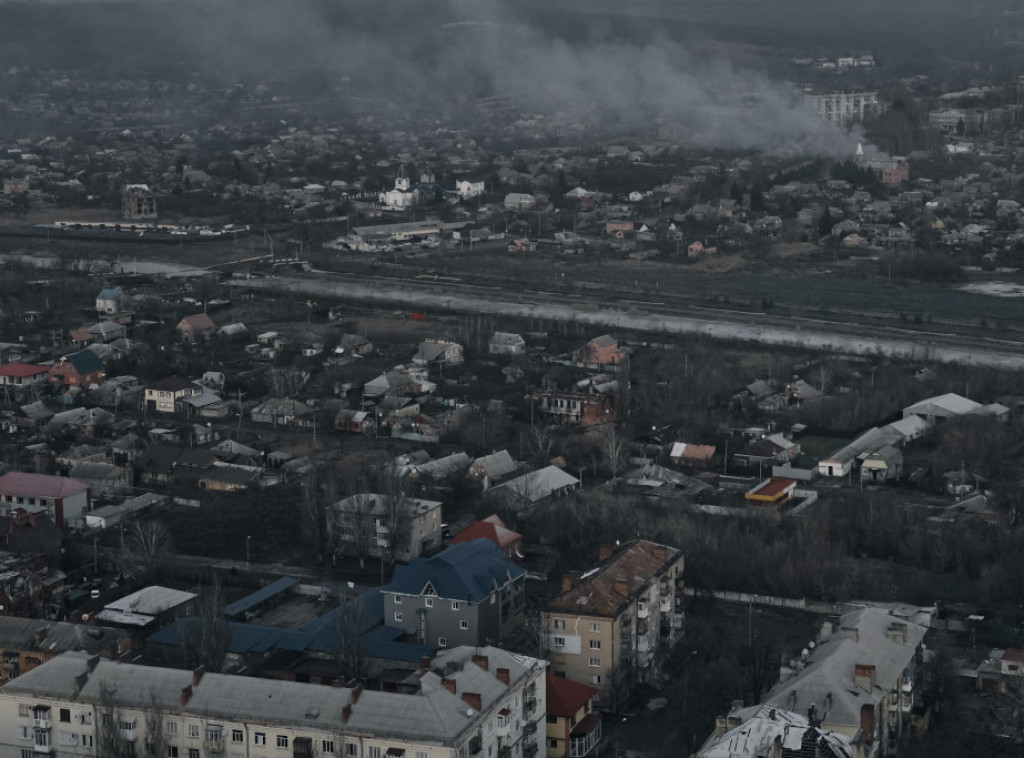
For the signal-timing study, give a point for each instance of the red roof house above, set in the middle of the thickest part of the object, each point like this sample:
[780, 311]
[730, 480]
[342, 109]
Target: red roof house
[63, 499]
[573, 727]
[22, 374]
[493, 528]
[198, 326]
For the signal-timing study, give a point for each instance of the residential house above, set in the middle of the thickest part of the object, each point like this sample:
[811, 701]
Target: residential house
[29, 586]
[776, 733]
[283, 411]
[492, 468]
[355, 344]
[349, 420]
[698, 456]
[594, 404]
[533, 487]
[162, 396]
[484, 702]
[22, 376]
[64, 500]
[505, 343]
[194, 328]
[884, 464]
[138, 202]
[769, 450]
[469, 188]
[102, 478]
[81, 369]
[609, 626]
[600, 351]
[519, 201]
[22, 531]
[410, 381]
[381, 526]
[573, 726]
[773, 492]
[438, 352]
[941, 408]
[26, 643]
[109, 301]
[493, 528]
[149, 608]
[468, 594]
[857, 681]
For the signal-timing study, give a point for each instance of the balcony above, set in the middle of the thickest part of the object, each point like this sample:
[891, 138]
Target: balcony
[643, 644]
[43, 722]
[666, 604]
[530, 727]
[530, 750]
[642, 611]
[585, 736]
[530, 704]
[128, 735]
[475, 745]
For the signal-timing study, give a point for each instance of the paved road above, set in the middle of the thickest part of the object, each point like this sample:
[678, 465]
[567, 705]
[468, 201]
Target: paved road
[423, 297]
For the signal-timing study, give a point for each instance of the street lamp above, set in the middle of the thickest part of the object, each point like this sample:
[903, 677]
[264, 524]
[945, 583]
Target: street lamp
[248, 540]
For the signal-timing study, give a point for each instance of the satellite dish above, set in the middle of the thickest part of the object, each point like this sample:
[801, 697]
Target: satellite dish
[469, 713]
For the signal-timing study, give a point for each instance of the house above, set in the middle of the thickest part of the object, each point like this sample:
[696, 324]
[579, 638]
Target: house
[464, 702]
[468, 594]
[684, 454]
[194, 328]
[884, 464]
[594, 404]
[774, 732]
[22, 532]
[26, 643]
[773, 492]
[857, 681]
[138, 202]
[64, 500]
[28, 586]
[769, 450]
[505, 343]
[535, 486]
[438, 352]
[349, 420]
[610, 625]
[446, 468]
[941, 408]
[398, 382]
[493, 528]
[382, 526]
[283, 411]
[20, 376]
[492, 468]
[600, 351]
[162, 396]
[102, 478]
[81, 369]
[354, 344]
[109, 301]
[469, 188]
[573, 726]
[518, 201]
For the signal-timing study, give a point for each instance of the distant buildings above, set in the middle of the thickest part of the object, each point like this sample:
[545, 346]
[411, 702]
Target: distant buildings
[843, 108]
[138, 202]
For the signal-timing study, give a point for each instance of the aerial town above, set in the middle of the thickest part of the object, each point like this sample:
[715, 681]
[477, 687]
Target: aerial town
[529, 420]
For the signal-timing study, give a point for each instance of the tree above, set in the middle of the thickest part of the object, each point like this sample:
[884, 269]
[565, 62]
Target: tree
[147, 546]
[349, 640]
[614, 448]
[205, 637]
[395, 511]
[110, 743]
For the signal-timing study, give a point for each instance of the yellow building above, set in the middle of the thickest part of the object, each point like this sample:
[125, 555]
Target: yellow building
[608, 626]
[573, 726]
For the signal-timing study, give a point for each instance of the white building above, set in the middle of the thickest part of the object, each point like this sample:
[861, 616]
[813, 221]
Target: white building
[469, 188]
[468, 701]
[402, 196]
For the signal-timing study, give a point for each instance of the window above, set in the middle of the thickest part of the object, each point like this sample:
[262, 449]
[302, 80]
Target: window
[23, 708]
[595, 679]
[455, 605]
[27, 753]
[552, 719]
[172, 751]
[595, 644]
[87, 740]
[398, 599]
[463, 624]
[398, 615]
[351, 749]
[373, 752]
[25, 732]
[282, 740]
[171, 728]
[237, 735]
[68, 739]
[86, 718]
[65, 715]
[595, 662]
[259, 738]
[442, 642]
[552, 743]
[595, 627]
[428, 602]
[193, 752]
[558, 641]
[214, 733]
[193, 731]
[327, 746]
[558, 624]
[421, 754]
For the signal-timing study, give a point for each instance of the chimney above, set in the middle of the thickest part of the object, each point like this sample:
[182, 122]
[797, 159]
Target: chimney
[424, 665]
[867, 722]
[606, 552]
[569, 580]
[448, 684]
[473, 700]
[186, 694]
[346, 713]
[503, 676]
[733, 721]
[197, 675]
[864, 676]
[482, 662]
[622, 587]
[721, 726]
[356, 692]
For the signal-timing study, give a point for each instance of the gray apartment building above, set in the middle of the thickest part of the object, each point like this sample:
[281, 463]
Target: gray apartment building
[468, 594]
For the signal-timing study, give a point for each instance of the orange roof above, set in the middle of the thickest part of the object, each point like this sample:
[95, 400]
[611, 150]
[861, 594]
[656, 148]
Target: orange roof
[565, 696]
[600, 593]
[198, 321]
[491, 528]
[772, 488]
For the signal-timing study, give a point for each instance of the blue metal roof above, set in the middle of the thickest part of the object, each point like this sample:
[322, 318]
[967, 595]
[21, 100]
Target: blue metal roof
[109, 294]
[467, 571]
[239, 607]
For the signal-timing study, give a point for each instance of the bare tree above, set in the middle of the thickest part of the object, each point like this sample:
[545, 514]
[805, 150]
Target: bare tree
[542, 441]
[109, 738]
[285, 382]
[147, 546]
[314, 508]
[395, 507]
[614, 448]
[349, 640]
[205, 637]
[156, 740]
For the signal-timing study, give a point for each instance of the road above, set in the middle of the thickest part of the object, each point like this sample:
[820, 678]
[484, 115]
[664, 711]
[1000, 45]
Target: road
[823, 337]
